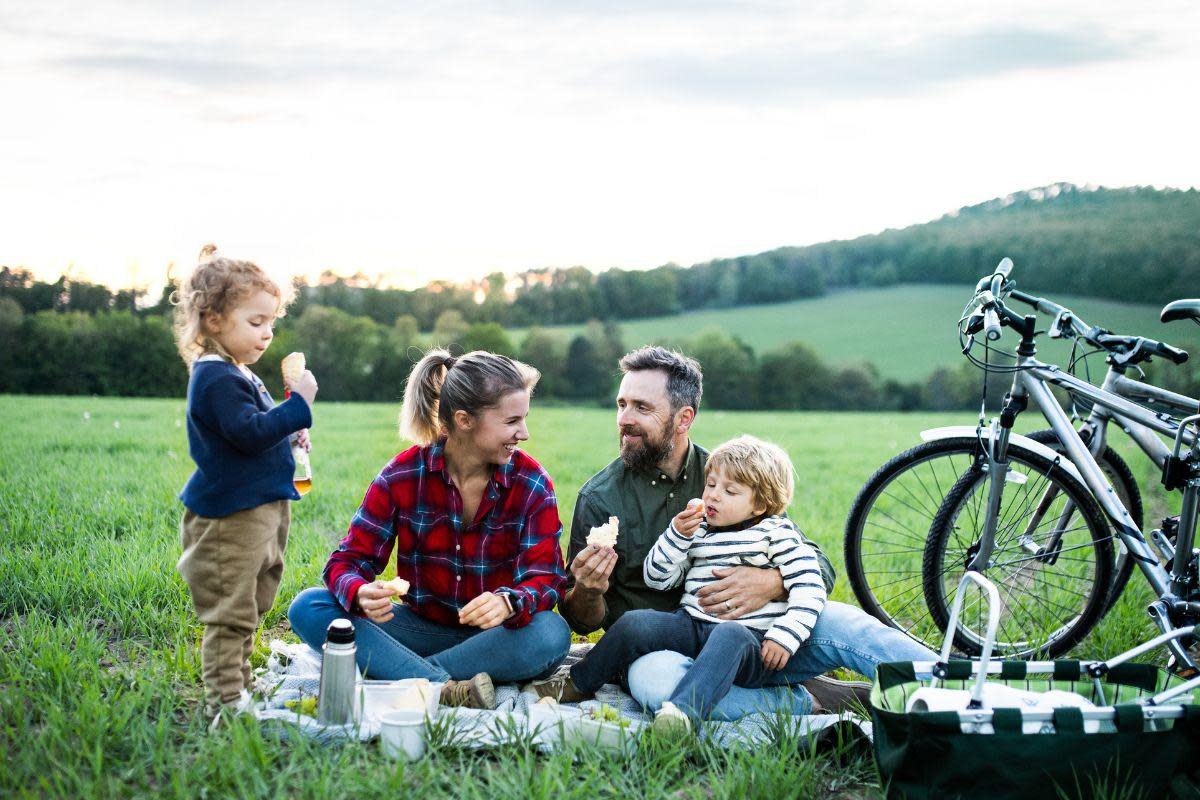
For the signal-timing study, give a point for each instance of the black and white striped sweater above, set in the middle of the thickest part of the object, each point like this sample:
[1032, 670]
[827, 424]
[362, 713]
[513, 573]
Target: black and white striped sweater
[773, 543]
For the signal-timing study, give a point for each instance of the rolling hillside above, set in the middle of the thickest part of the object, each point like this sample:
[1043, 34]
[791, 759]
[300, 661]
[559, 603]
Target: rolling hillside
[904, 331]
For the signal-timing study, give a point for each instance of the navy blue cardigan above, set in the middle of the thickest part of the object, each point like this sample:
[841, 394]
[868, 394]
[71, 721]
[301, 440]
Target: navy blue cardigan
[240, 441]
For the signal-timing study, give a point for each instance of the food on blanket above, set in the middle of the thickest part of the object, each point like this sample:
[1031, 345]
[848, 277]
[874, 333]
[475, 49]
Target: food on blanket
[293, 368]
[547, 701]
[305, 705]
[604, 535]
[606, 713]
[414, 697]
[398, 584]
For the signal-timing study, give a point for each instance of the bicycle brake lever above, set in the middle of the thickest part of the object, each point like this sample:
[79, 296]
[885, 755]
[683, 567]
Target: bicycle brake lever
[1061, 324]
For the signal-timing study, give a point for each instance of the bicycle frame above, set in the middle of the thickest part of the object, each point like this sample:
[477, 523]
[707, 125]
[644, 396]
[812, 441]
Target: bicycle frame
[1033, 381]
[1118, 384]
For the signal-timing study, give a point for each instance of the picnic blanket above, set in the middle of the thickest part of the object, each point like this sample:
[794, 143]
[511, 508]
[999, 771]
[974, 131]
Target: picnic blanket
[294, 670]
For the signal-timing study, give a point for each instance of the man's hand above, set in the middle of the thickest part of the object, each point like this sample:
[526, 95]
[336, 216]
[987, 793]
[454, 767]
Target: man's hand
[303, 441]
[687, 521]
[486, 611]
[774, 655]
[375, 601]
[739, 591]
[592, 568]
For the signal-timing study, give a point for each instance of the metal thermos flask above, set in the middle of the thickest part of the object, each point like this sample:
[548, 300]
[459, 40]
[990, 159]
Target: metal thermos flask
[335, 701]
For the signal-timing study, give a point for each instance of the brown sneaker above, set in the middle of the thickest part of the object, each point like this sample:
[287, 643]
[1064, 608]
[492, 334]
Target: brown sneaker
[831, 696]
[475, 693]
[561, 688]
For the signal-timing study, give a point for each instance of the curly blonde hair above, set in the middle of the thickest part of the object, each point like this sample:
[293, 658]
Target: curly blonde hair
[761, 466]
[213, 289]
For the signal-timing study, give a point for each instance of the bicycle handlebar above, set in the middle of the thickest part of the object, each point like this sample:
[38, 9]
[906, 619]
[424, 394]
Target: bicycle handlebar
[995, 283]
[991, 324]
[1129, 346]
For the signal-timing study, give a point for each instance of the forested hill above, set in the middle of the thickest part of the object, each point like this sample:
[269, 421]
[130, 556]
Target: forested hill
[1136, 244]
[1143, 245]
[1131, 244]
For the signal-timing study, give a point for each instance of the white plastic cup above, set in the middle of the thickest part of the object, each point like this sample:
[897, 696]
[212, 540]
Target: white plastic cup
[402, 734]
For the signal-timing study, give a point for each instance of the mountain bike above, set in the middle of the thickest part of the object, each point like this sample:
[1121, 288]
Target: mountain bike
[1041, 524]
[889, 521]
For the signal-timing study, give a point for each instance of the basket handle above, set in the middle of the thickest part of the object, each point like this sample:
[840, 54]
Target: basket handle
[985, 656]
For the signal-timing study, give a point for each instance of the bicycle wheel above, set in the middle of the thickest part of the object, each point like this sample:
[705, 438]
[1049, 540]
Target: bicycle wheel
[1121, 477]
[1052, 566]
[888, 526]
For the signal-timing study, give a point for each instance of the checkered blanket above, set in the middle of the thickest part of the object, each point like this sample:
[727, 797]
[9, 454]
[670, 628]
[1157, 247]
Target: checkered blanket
[294, 671]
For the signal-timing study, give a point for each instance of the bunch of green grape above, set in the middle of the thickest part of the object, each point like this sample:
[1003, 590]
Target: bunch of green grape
[305, 705]
[606, 713]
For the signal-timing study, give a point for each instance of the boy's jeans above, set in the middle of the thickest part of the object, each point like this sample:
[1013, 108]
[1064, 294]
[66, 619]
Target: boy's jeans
[845, 636]
[407, 646]
[724, 653]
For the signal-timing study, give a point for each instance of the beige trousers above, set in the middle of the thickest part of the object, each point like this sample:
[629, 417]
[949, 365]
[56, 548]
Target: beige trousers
[232, 565]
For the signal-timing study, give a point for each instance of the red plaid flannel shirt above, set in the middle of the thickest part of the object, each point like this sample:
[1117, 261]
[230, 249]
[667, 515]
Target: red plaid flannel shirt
[511, 548]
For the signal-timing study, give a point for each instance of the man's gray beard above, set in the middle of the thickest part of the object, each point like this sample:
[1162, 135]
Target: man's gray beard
[648, 456]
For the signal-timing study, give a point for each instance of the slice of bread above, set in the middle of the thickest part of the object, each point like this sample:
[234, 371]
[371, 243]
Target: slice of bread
[604, 535]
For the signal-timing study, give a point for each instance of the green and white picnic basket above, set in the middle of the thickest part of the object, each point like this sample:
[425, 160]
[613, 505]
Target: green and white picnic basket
[1132, 730]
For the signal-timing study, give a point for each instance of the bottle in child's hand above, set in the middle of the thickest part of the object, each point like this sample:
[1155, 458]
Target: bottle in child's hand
[302, 480]
[293, 367]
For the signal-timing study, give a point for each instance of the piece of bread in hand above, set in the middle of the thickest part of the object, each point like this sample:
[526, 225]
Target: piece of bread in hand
[399, 584]
[604, 535]
[292, 367]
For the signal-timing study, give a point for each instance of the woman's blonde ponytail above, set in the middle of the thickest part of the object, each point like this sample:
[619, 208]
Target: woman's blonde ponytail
[419, 412]
[441, 384]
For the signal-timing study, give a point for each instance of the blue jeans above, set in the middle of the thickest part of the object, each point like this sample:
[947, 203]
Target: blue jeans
[407, 646]
[845, 636]
[725, 653]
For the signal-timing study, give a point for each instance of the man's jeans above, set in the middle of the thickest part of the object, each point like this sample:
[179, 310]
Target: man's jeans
[845, 636]
[724, 653]
[407, 646]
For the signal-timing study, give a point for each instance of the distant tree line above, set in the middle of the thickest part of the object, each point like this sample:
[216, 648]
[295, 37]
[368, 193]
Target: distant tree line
[73, 336]
[1135, 244]
[357, 359]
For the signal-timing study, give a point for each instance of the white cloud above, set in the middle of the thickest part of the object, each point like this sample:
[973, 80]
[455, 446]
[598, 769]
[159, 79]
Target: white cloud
[452, 139]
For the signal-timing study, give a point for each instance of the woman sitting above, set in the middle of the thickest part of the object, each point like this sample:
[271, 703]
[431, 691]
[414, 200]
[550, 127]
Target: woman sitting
[474, 524]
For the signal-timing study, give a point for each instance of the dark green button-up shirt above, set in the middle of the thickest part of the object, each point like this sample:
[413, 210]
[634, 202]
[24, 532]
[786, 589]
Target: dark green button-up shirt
[644, 502]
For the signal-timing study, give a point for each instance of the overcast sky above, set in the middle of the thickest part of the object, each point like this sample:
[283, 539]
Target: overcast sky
[448, 140]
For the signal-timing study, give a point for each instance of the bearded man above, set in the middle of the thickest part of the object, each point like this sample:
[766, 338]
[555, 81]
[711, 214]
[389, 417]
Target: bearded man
[659, 470]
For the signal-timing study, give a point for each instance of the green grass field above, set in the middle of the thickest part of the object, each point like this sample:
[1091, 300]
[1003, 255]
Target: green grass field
[99, 662]
[904, 331]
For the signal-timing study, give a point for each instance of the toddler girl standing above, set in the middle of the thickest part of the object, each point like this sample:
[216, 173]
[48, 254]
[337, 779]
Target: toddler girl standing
[236, 516]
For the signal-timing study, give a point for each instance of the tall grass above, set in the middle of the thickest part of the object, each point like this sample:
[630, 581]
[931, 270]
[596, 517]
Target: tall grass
[99, 662]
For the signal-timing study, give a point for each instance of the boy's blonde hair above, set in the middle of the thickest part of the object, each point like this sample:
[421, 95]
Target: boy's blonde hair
[759, 465]
[214, 288]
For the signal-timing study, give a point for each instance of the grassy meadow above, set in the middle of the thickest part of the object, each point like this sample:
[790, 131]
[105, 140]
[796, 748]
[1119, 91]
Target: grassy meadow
[99, 661]
[905, 332]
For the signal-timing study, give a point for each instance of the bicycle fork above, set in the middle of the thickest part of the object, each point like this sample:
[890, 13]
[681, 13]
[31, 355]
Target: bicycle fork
[996, 466]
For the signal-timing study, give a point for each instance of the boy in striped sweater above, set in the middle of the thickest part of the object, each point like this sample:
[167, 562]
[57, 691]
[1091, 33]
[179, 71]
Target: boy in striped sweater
[739, 522]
